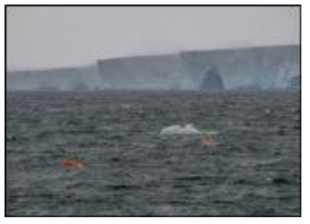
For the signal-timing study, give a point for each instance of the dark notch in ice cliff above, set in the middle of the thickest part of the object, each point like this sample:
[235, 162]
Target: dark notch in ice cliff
[274, 67]
[212, 80]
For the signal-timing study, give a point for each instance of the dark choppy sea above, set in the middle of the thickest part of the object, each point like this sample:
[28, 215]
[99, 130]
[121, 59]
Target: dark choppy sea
[133, 171]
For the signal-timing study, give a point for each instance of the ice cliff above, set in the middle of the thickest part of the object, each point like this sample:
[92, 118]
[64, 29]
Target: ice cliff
[259, 67]
[274, 67]
[79, 78]
[145, 72]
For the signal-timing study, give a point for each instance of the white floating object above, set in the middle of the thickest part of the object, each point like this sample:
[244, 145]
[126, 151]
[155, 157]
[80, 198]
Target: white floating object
[188, 129]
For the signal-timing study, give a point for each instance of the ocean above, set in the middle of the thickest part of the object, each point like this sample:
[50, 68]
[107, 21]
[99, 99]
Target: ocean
[132, 170]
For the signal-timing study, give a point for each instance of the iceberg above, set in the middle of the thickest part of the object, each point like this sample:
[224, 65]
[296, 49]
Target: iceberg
[254, 68]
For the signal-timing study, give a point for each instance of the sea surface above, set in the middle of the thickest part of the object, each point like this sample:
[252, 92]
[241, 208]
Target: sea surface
[131, 170]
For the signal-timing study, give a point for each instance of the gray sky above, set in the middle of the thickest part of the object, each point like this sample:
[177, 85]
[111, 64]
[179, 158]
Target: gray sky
[42, 37]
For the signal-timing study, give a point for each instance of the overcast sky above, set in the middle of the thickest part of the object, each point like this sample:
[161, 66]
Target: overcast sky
[43, 37]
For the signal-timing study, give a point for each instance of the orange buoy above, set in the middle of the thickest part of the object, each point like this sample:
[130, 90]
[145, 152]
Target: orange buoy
[72, 163]
[208, 141]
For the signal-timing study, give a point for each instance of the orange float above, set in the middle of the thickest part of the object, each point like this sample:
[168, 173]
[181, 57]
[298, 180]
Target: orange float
[208, 141]
[73, 163]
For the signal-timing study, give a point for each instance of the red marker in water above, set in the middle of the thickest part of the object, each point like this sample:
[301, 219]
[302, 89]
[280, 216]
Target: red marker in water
[208, 141]
[73, 163]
